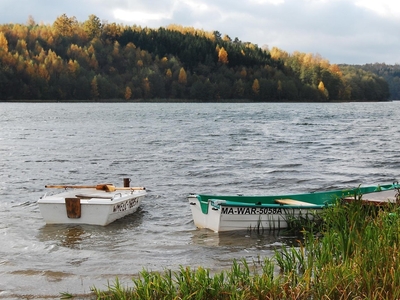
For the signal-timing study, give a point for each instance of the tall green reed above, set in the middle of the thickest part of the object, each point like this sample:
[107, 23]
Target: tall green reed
[354, 255]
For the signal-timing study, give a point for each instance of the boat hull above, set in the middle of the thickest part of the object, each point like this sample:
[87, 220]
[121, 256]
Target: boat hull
[221, 217]
[227, 213]
[94, 207]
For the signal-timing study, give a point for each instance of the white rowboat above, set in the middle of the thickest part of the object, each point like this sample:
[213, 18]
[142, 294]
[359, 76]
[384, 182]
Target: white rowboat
[229, 212]
[93, 205]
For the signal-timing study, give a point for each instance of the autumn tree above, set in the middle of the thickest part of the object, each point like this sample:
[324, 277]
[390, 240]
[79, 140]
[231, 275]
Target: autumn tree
[92, 26]
[73, 67]
[256, 87]
[182, 78]
[65, 26]
[223, 56]
[3, 42]
[111, 32]
[128, 93]
[91, 60]
[168, 74]
[322, 89]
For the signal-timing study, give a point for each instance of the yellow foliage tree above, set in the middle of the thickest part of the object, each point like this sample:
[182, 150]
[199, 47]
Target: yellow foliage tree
[92, 26]
[256, 87]
[43, 73]
[277, 53]
[93, 62]
[321, 86]
[164, 61]
[115, 51]
[323, 90]
[65, 26]
[73, 67]
[182, 78]
[168, 74]
[3, 42]
[335, 70]
[128, 93]
[223, 56]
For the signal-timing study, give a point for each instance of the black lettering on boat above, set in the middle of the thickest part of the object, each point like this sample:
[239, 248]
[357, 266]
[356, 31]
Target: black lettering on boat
[250, 211]
[227, 210]
[241, 210]
[126, 205]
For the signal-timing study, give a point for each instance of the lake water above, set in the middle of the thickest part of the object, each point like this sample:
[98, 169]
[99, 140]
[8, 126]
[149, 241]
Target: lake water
[172, 150]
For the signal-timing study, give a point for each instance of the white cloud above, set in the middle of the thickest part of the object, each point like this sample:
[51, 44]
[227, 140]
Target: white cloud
[384, 8]
[274, 2]
[196, 6]
[138, 17]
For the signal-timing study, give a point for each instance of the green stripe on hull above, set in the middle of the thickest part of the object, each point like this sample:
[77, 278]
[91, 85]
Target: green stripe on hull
[321, 199]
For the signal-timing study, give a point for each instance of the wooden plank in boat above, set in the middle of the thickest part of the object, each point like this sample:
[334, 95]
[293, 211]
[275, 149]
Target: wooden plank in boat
[365, 201]
[293, 202]
[377, 198]
[89, 196]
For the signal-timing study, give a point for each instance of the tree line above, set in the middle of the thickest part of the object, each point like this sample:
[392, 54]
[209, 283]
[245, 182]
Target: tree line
[96, 60]
[391, 74]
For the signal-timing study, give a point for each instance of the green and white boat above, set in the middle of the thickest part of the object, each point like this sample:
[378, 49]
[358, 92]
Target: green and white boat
[226, 213]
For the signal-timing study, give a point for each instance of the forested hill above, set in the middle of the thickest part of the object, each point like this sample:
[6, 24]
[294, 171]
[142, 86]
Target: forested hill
[391, 73]
[94, 60]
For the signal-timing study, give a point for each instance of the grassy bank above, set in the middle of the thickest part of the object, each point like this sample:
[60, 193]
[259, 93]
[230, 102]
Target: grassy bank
[355, 255]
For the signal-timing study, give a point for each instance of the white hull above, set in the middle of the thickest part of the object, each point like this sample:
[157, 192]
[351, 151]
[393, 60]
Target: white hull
[228, 218]
[226, 213]
[96, 207]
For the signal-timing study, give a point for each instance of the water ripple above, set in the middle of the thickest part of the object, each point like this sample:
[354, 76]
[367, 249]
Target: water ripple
[172, 150]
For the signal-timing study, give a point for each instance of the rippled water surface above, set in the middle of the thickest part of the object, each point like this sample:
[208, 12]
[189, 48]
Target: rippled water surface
[172, 150]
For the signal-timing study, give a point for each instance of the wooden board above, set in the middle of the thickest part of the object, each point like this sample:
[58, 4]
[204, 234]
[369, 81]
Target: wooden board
[293, 202]
[97, 187]
[90, 196]
[73, 207]
[377, 198]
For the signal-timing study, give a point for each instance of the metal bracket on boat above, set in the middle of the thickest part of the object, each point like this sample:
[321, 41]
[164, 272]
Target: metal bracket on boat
[215, 203]
[116, 195]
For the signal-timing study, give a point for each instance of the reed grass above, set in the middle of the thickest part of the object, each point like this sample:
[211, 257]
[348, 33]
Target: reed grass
[354, 255]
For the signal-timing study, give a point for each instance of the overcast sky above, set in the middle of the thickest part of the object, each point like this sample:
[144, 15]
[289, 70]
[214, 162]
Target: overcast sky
[342, 31]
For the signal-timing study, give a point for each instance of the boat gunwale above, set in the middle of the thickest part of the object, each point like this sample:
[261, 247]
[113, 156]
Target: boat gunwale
[268, 205]
[59, 198]
[205, 199]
